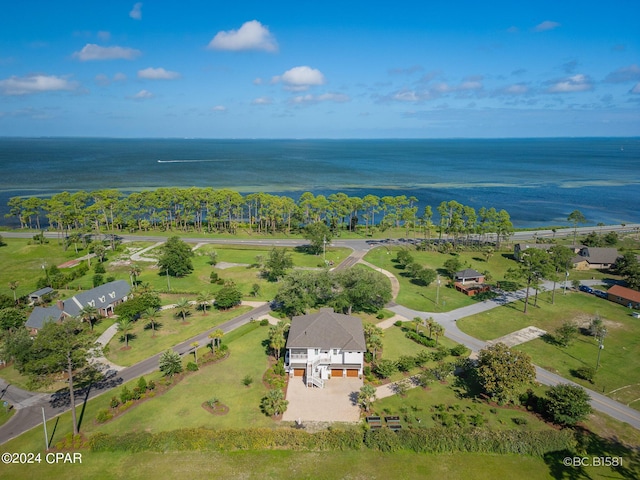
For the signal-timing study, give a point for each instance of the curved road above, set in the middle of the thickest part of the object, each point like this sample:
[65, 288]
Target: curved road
[29, 405]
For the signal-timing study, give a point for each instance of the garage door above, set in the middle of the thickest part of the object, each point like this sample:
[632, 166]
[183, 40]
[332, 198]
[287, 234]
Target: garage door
[352, 373]
[298, 372]
[336, 372]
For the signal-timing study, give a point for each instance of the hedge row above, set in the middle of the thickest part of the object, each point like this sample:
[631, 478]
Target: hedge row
[422, 440]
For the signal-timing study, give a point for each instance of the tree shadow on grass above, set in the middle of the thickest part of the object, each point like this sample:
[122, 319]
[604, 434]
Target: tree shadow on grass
[157, 326]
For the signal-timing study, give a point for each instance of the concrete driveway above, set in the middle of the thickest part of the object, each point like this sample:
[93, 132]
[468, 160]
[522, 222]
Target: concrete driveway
[336, 402]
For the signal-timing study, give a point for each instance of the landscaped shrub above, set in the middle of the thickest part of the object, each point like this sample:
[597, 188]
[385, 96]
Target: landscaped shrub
[99, 268]
[104, 416]
[136, 393]
[440, 354]
[114, 402]
[98, 280]
[458, 350]
[406, 363]
[420, 338]
[421, 440]
[398, 323]
[247, 380]
[520, 420]
[380, 316]
[385, 368]
[586, 373]
[125, 394]
[422, 357]
[192, 367]
[264, 322]
[142, 384]
[151, 385]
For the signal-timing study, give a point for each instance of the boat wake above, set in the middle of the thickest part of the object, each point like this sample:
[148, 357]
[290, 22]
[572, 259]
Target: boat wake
[190, 161]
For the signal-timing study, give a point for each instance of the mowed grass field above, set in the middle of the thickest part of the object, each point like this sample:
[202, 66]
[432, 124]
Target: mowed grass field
[419, 297]
[171, 330]
[619, 367]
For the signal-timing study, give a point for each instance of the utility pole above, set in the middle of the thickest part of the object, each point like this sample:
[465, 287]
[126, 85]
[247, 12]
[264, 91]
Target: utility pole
[600, 346]
[46, 436]
[168, 280]
[438, 290]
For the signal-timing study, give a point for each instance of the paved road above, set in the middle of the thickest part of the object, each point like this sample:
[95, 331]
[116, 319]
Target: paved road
[29, 406]
[448, 320]
[30, 415]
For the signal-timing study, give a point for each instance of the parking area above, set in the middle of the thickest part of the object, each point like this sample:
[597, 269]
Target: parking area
[336, 402]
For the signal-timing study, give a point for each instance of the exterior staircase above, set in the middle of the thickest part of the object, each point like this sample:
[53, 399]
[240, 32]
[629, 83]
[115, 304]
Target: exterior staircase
[312, 379]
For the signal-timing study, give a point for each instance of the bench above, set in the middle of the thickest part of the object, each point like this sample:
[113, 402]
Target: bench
[393, 423]
[374, 422]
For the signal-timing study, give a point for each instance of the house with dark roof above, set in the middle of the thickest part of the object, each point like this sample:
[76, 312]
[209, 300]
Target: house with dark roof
[104, 298]
[595, 258]
[325, 345]
[469, 275]
[624, 296]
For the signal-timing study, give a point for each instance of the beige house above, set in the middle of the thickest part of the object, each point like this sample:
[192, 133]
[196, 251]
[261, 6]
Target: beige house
[595, 258]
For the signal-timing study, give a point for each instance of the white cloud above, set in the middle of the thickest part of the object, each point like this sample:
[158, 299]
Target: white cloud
[219, 108]
[546, 25]
[251, 35]
[119, 77]
[35, 84]
[143, 95]
[104, 36]
[300, 78]
[635, 90]
[516, 89]
[136, 11]
[157, 74]
[258, 81]
[624, 74]
[91, 51]
[575, 83]
[262, 101]
[325, 97]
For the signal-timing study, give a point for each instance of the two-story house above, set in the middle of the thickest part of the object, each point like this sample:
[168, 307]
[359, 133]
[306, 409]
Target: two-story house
[325, 345]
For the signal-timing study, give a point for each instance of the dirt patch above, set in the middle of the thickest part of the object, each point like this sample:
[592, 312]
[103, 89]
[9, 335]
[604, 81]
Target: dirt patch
[583, 320]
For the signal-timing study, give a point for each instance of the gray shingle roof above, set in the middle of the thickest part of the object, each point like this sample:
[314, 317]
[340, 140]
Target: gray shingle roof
[41, 292]
[468, 273]
[99, 297]
[599, 254]
[42, 315]
[326, 330]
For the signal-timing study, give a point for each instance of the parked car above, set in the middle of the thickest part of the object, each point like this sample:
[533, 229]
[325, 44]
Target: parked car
[585, 288]
[600, 293]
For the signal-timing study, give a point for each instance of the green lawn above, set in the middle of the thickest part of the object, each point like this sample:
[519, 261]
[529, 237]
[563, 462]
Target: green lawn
[285, 464]
[22, 261]
[171, 332]
[423, 298]
[618, 366]
[395, 343]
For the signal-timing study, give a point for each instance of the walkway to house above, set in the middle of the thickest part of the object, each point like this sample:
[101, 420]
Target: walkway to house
[336, 402]
[520, 336]
[137, 257]
[102, 342]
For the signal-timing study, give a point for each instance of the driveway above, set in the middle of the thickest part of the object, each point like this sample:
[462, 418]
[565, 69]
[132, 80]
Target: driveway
[336, 402]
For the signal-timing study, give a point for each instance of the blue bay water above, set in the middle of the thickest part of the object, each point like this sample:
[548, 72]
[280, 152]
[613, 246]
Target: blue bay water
[538, 181]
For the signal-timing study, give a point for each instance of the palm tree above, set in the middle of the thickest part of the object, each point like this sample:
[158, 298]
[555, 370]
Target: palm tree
[216, 338]
[417, 321]
[89, 314]
[183, 307]
[277, 339]
[125, 325]
[152, 315]
[195, 346]
[14, 286]
[204, 299]
[429, 322]
[437, 330]
[134, 271]
[374, 343]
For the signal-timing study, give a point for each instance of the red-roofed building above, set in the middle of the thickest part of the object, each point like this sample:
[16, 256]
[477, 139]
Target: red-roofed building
[624, 296]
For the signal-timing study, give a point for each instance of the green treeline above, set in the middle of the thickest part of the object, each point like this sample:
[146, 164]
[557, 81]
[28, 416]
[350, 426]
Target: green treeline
[209, 210]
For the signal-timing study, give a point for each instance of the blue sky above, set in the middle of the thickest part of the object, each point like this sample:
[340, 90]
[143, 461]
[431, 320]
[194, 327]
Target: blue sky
[348, 69]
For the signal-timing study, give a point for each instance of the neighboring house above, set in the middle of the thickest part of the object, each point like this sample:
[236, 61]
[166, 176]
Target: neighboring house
[469, 275]
[470, 282]
[325, 345]
[104, 298]
[624, 296]
[595, 258]
[38, 294]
